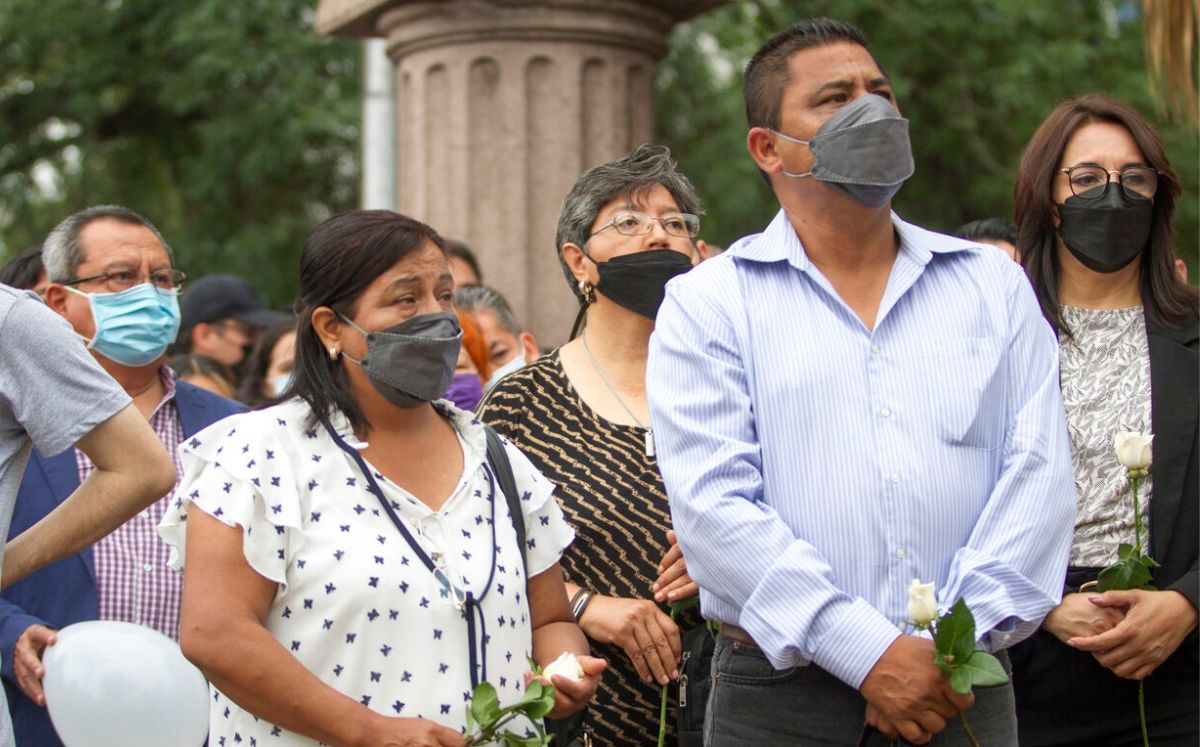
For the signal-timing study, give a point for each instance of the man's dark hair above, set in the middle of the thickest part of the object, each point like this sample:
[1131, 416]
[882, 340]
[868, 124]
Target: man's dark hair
[988, 229]
[23, 270]
[459, 250]
[344, 255]
[767, 73]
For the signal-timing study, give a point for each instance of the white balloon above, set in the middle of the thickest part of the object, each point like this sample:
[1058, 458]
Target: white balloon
[116, 684]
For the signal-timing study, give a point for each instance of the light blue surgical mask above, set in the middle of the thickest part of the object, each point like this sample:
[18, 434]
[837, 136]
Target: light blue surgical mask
[280, 383]
[516, 364]
[135, 326]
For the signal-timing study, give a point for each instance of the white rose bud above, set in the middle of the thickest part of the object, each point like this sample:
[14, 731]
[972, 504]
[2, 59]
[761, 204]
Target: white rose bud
[922, 603]
[567, 665]
[1133, 449]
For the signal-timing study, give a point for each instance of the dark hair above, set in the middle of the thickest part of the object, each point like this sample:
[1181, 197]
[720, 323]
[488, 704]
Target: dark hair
[196, 364]
[343, 256]
[1167, 300]
[767, 74]
[23, 270]
[259, 361]
[632, 176]
[988, 229]
[459, 250]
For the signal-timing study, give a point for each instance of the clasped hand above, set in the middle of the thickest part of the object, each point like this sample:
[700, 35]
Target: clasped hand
[1152, 627]
[907, 695]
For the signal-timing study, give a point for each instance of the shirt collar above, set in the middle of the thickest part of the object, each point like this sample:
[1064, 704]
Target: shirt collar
[468, 427]
[167, 377]
[779, 242]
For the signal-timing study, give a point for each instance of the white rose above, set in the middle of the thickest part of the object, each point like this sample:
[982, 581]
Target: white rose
[922, 603]
[1133, 449]
[567, 665]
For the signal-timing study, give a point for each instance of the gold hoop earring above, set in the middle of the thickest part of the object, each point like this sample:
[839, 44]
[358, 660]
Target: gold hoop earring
[588, 291]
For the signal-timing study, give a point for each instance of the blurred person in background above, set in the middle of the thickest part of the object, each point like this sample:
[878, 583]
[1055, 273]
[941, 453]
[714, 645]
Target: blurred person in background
[626, 228]
[464, 266]
[222, 317]
[1095, 202]
[994, 231]
[202, 371]
[509, 346]
[472, 369]
[269, 370]
[113, 279]
[25, 271]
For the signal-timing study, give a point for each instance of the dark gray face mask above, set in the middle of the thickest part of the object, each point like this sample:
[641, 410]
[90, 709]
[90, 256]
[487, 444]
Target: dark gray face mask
[412, 363]
[863, 150]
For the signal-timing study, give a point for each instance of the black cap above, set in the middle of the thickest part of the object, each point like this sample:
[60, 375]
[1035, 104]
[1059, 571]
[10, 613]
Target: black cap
[216, 297]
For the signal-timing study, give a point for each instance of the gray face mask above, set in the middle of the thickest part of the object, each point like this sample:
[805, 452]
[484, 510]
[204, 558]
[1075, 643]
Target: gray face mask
[863, 150]
[411, 363]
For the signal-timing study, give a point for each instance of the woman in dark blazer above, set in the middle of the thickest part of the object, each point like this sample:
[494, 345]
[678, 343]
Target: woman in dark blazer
[1095, 197]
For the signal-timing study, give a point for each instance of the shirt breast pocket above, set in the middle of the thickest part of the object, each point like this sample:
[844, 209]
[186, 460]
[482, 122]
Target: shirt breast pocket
[965, 383]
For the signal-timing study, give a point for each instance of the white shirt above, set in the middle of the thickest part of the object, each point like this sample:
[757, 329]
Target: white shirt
[355, 604]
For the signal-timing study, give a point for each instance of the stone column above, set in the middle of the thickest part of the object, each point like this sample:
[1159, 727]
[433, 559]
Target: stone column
[501, 105]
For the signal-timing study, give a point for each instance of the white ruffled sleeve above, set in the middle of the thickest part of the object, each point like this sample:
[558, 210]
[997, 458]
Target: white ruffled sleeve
[547, 533]
[239, 472]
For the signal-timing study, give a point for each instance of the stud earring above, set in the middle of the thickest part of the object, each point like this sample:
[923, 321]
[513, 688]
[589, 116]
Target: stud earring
[588, 291]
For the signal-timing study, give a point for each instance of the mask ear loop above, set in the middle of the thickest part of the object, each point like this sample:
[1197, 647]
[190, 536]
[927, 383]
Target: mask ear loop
[587, 293]
[797, 141]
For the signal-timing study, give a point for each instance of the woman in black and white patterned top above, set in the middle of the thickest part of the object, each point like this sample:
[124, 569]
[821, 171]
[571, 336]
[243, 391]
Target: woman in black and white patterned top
[1095, 197]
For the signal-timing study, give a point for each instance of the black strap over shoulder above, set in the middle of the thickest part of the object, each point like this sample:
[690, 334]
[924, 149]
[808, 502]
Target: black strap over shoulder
[498, 458]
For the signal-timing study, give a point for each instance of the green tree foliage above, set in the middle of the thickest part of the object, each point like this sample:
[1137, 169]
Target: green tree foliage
[975, 77]
[231, 125]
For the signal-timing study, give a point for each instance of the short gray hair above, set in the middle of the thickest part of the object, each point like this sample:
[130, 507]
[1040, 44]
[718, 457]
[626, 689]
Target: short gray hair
[61, 253]
[643, 169]
[473, 298]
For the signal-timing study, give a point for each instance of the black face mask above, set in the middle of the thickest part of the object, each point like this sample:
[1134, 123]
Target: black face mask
[638, 281]
[1108, 232]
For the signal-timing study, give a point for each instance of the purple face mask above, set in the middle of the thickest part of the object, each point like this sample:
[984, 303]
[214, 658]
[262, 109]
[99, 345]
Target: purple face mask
[465, 391]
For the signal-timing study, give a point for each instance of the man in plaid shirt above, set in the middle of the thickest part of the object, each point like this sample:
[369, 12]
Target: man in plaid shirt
[113, 279]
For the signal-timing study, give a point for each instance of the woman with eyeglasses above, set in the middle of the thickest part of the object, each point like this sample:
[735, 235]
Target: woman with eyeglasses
[580, 414]
[1095, 197]
[351, 569]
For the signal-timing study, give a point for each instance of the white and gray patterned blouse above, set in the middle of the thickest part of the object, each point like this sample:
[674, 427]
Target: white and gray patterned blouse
[1105, 373]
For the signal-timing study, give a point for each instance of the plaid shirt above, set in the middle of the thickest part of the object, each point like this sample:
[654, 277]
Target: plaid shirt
[133, 583]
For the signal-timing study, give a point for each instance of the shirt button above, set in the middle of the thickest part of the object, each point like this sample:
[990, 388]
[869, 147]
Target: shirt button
[895, 478]
[146, 514]
[147, 568]
[900, 553]
[885, 413]
[874, 350]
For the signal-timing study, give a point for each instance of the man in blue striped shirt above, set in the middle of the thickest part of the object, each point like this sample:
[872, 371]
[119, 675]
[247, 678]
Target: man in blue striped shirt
[847, 402]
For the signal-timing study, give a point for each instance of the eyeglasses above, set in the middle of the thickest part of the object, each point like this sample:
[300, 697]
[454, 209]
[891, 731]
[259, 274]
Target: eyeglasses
[634, 223]
[1090, 182]
[123, 279]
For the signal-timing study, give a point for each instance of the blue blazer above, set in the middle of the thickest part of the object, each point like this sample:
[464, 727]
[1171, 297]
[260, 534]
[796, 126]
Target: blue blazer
[64, 592]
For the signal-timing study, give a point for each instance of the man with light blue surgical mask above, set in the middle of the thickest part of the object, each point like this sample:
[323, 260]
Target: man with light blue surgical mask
[510, 347]
[112, 278]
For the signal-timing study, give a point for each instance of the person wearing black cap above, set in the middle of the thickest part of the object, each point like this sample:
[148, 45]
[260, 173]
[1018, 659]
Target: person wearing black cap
[222, 318]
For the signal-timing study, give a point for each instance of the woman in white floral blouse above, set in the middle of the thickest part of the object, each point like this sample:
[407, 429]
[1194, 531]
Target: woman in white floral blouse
[352, 570]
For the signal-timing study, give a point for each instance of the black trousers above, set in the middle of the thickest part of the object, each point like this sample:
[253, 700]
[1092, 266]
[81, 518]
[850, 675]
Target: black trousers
[1064, 697]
